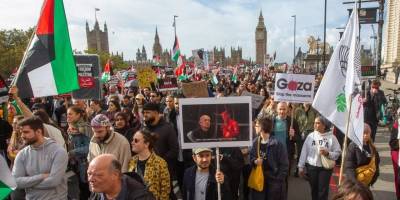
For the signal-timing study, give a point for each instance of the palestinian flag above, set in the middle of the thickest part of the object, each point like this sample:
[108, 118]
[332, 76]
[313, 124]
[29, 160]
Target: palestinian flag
[48, 67]
[176, 52]
[106, 76]
[7, 181]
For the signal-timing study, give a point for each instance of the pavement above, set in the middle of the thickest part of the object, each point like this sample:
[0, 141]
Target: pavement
[383, 189]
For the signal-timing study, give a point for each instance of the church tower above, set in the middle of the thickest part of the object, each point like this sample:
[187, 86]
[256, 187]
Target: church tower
[157, 50]
[261, 40]
[97, 39]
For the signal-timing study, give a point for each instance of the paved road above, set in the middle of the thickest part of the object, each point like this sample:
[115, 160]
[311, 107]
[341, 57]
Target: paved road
[384, 187]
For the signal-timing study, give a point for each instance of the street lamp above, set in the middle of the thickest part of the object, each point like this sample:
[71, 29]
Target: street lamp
[294, 39]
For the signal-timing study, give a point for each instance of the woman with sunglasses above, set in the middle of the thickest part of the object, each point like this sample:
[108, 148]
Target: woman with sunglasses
[268, 110]
[150, 167]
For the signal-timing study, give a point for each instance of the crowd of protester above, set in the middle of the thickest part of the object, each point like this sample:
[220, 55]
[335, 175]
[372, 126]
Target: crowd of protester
[125, 146]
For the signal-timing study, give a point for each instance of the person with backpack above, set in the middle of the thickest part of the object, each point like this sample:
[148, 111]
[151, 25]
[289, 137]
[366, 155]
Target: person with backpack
[106, 181]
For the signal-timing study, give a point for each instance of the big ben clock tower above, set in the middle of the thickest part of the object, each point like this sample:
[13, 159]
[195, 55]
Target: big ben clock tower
[261, 40]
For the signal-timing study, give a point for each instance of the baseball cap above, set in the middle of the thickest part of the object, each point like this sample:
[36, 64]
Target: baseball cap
[199, 150]
[100, 120]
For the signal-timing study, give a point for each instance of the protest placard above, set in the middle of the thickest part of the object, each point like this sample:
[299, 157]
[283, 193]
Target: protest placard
[195, 89]
[295, 88]
[88, 69]
[167, 83]
[225, 122]
[256, 100]
[146, 76]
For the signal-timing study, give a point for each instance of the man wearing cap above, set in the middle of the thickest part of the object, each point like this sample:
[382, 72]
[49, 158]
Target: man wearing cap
[105, 140]
[200, 181]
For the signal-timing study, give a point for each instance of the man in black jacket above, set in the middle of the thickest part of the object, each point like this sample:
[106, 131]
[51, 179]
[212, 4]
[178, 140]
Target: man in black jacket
[166, 145]
[201, 180]
[372, 104]
[107, 182]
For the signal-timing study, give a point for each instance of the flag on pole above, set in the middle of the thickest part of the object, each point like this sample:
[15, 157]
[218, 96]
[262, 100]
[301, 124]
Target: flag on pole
[176, 52]
[342, 82]
[7, 181]
[106, 76]
[48, 67]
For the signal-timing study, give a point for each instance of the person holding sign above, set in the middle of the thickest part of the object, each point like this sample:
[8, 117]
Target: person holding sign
[200, 181]
[286, 130]
[274, 161]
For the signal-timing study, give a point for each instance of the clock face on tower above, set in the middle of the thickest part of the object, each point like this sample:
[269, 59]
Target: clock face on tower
[259, 36]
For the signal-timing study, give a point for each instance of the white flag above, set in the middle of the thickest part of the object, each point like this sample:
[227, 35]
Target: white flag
[342, 81]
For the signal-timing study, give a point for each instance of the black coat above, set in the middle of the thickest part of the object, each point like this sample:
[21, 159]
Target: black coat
[189, 185]
[357, 158]
[134, 190]
[166, 145]
[372, 107]
[276, 166]
[5, 133]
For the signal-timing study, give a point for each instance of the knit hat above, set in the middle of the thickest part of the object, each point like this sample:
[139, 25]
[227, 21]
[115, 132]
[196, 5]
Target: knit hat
[151, 107]
[100, 120]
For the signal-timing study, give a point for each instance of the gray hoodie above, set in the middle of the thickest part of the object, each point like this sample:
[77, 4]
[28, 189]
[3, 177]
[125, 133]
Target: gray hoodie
[314, 141]
[30, 165]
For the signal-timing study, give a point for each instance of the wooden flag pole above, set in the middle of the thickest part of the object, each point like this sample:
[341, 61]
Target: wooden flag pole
[345, 143]
[218, 169]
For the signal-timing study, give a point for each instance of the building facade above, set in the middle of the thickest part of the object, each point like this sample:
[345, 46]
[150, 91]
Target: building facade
[391, 49]
[97, 39]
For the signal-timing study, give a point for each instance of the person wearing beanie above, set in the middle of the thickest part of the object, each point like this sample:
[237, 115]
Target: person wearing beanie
[105, 140]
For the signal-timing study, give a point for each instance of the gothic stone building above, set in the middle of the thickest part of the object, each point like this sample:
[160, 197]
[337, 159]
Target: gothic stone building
[97, 39]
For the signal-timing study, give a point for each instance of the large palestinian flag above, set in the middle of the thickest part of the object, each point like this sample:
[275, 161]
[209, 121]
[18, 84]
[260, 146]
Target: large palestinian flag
[49, 66]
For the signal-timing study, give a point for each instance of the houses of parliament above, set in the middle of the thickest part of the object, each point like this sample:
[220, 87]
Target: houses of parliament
[97, 40]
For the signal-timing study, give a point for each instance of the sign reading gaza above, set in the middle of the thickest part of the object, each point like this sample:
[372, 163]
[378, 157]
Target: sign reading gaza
[295, 88]
[215, 122]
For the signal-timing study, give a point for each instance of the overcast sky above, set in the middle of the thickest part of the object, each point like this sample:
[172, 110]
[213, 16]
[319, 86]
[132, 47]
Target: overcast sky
[201, 23]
